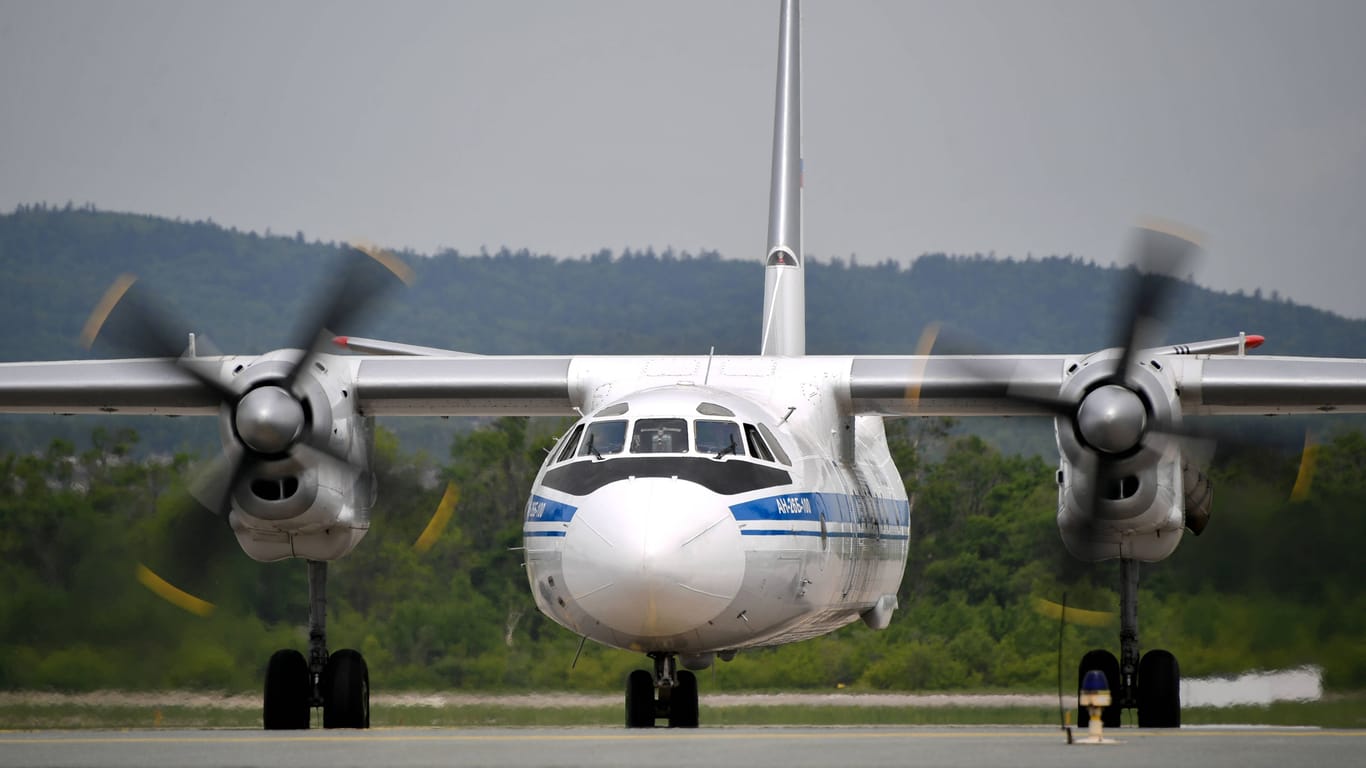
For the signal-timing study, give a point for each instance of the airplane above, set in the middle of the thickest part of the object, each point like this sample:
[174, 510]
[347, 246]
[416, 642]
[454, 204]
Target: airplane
[700, 505]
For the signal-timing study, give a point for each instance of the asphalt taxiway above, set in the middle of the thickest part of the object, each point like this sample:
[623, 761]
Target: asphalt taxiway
[779, 747]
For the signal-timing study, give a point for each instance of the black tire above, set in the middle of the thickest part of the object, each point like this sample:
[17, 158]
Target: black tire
[288, 689]
[640, 700]
[346, 691]
[683, 701]
[1159, 690]
[1105, 662]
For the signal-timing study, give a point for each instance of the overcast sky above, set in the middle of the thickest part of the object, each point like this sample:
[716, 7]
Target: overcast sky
[565, 127]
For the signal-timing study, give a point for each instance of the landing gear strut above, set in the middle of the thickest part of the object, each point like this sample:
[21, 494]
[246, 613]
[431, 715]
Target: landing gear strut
[338, 682]
[669, 693]
[1150, 683]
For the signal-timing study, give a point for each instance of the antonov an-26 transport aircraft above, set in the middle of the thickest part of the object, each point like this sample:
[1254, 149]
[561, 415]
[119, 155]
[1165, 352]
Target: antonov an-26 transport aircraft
[701, 505]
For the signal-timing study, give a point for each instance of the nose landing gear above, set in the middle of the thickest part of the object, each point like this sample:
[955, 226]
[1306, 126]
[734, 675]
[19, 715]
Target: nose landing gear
[1151, 684]
[338, 682]
[670, 693]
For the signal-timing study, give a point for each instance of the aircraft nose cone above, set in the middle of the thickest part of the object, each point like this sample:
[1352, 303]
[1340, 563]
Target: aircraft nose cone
[653, 557]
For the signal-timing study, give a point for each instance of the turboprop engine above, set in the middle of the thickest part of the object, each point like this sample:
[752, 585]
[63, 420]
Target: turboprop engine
[1124, 488]
[303, 487]
[293, 477]
[1120, 482]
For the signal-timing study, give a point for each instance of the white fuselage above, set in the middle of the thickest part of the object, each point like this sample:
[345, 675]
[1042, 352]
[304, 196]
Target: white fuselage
[649, 540]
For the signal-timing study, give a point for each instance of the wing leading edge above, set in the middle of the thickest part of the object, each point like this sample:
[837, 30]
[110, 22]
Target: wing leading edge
[1002, 385]
[147, 386]
[909, 385]
[384, 385]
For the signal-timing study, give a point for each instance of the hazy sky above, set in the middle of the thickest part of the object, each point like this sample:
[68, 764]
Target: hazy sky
[562, 127]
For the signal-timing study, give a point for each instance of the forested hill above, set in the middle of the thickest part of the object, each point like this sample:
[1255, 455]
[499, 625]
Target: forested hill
[244, 289]
[1271, 585]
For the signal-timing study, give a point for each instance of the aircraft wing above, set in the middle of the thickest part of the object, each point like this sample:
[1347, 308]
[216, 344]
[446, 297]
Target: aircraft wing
[1271, 385]
[941, 385]
[937, 385]
[954, 385]
[464, 386]
[384, 385]
[1010, 385]
[149, 386]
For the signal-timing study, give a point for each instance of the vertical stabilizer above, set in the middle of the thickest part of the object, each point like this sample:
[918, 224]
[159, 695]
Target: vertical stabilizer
[784, 290]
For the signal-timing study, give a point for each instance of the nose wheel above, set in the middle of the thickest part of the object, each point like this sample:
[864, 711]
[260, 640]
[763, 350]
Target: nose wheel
[667, 694]
[1150, 684]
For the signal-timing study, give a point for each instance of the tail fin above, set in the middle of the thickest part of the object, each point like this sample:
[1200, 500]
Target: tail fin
[784, 330]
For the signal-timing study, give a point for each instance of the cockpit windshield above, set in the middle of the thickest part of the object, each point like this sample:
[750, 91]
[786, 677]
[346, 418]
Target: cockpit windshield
[718, 438]
[603, 438]
[757, 447]
[660, 436]
[571, 441]
[715, 438]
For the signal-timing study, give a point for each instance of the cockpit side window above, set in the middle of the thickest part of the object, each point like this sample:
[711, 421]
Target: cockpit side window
[772, 441]
[570, 442]
[757, 447]
[603, 438]
[718, 438]
[660, 436]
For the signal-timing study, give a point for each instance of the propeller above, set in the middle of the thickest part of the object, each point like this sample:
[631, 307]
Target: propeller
[1070, 614]
[186, 554]
[1309, 461]
[1111, 415]
[440, 519]
[269, 420]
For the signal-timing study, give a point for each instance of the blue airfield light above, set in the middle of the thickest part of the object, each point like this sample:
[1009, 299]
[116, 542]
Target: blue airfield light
[1095, 696]
[1094, 683]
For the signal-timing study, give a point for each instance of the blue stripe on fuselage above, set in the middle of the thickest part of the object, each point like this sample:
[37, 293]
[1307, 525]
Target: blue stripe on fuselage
[830, 534]
[543, 510]
[834, 508]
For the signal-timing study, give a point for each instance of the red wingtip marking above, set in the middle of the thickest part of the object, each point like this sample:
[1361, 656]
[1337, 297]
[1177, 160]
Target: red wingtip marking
[342, 341]
[1253, 342]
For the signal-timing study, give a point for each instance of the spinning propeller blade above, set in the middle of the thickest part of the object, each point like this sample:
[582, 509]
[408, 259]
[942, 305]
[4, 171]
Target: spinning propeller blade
[440, 519]
[181, 563]
[1309, 460]
[268, 420]
[1072, 615]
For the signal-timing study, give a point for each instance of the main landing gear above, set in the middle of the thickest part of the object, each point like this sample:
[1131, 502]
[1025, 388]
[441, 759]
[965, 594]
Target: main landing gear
[670, 693]
[338, 682]
[1151, 684]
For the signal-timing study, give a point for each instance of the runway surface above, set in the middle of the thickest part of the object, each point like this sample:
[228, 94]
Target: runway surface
[749, 747]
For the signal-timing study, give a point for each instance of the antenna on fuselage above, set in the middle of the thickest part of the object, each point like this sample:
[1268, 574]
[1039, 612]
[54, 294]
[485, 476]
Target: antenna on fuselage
[784, 331]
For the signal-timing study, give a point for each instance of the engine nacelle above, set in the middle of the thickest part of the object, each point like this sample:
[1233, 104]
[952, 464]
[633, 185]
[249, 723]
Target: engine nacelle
[1199, 497]
[1149, 536]
[303, 503]
[1137, 512]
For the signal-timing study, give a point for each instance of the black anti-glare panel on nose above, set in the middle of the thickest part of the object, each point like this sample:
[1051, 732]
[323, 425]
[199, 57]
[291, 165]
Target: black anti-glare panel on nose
[581, 478]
